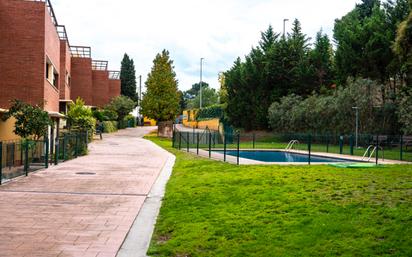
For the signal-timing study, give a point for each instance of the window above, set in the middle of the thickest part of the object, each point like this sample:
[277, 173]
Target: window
[48, 67]
[51, 74]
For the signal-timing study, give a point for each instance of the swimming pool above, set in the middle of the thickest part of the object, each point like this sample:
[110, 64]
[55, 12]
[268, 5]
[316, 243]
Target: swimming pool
[279, 156]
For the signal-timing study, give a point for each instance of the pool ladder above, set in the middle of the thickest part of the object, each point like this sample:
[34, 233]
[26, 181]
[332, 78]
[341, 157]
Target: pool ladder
[291, 144]
[371, 153]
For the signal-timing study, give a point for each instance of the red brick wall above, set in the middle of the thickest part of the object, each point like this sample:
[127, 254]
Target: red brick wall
[52, 52]
[82, 79]
[22, 63]
[114, 89]
[65, 66]
[101, 88]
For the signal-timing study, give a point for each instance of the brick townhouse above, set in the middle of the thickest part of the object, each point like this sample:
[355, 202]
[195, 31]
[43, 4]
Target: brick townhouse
[39, 66]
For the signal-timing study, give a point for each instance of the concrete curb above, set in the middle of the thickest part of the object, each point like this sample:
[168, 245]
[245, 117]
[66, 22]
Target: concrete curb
[138, 239]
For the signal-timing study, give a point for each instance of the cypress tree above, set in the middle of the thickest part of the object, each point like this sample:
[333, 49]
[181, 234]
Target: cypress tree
[161, 101]
[128, 78]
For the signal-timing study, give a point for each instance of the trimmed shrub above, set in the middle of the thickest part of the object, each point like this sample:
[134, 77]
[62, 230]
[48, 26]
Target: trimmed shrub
[109, 126]
[211, 112]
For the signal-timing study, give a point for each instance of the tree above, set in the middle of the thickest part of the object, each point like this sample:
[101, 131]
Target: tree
[321, 57]
[80, 117]
[161, 101]
[128, 78]
[31, 121]
[209, 97]
[403, 48]
[122, 106]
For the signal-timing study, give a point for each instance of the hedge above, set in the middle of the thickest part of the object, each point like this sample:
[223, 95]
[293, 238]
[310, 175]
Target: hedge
[211, 112]
[109, 126]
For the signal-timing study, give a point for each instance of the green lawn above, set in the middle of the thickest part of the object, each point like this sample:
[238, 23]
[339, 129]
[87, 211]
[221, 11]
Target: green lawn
[218, 209]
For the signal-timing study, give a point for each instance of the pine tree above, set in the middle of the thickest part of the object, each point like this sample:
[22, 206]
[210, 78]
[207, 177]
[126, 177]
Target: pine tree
[322, 59]
[161, 101]
[128, 78]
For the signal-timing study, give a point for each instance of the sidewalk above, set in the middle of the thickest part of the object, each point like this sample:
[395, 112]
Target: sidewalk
[83, 207]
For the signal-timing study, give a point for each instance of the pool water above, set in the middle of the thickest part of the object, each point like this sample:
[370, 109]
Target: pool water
[278, 156]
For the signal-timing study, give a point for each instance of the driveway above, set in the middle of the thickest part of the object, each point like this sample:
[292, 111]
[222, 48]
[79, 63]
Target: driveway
[83, 207]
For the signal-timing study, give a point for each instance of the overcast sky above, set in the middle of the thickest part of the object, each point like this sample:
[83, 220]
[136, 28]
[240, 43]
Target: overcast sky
[218, 30]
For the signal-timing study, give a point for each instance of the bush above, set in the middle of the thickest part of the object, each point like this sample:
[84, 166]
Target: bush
[109, 126]
[334, 113]
[211, 112]
[130, 121]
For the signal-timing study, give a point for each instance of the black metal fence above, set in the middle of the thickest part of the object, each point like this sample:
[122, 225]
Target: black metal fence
[20, 157]
[367, 148]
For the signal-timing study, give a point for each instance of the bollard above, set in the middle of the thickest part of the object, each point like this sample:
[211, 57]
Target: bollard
[76, 146]
[341, 144]
[173, 138]
[254, 140]
[327, 144]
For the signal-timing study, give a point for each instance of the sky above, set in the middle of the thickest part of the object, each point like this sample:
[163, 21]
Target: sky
[217, 30]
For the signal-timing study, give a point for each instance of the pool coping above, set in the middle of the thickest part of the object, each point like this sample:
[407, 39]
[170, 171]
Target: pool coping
[244, 161]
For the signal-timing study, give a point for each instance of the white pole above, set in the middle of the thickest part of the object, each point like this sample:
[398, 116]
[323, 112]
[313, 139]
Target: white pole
[201, 81]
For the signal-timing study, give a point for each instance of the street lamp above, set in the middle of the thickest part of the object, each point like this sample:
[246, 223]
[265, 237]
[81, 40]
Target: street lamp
[201, 82]
[357, 125]
[284, 26]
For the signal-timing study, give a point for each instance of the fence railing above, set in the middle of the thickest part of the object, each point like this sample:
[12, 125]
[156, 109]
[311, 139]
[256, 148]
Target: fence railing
[20, 157]
[373, 147]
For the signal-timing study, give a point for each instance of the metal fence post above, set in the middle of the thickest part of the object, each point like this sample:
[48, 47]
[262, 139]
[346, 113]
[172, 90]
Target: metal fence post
[351, 144]
[1, 161]
[46, 158]
[377, 149]
[57, 149]
[180, 140]
[401, 153]
[64, 147]
[309, 148]
[210, 145]
[187, 143]
[173, 138]
[224, 147]
[76, 146]
[327, 144]
[26, 157]
[254, 140]
[238, 148]
[341, 144]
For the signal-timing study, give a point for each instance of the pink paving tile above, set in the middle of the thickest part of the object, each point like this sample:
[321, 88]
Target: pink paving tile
[57, 212]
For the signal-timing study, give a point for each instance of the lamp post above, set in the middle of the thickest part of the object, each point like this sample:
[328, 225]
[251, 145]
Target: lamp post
[284, 26]
[357, 125]
[201, 82]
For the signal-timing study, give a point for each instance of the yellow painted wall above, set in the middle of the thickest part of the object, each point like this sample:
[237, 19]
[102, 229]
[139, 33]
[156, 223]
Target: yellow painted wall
[6, 129]
[211, 124]
[152, 122]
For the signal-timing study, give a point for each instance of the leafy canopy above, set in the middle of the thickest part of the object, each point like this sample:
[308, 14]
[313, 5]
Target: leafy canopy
[122, 106]
[161, 101]
[80, 117]
[31, 121]
[128, 78]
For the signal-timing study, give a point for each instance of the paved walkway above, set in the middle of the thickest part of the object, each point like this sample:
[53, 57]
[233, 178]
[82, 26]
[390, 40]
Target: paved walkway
[59, 212]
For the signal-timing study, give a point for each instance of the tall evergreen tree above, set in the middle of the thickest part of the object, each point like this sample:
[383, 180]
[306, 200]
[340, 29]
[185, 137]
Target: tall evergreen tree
[322, 59]
[128, 78]
[161, 101]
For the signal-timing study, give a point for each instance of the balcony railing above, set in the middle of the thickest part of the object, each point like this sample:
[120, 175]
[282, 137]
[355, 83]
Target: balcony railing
[100, 65]
[114, 74]
[81, 51]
